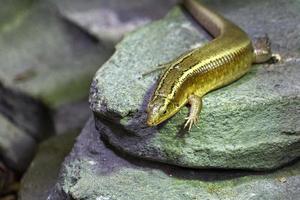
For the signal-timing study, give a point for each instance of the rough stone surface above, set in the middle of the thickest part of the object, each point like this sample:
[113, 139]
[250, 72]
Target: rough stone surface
[110, 20]
[16, 147]
[93, 171]
[253, 123]
[44, 56]
[41, 176]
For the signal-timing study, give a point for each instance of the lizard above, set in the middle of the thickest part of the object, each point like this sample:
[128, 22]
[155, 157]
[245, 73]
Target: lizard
[218, 63]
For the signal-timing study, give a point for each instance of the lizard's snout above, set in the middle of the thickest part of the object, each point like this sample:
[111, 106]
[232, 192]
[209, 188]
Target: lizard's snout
[150, 121]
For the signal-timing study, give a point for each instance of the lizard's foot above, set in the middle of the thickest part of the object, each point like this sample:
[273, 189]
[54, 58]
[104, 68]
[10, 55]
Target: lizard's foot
[275, 58]
[196, 105]
[263, 52]
[191, 120]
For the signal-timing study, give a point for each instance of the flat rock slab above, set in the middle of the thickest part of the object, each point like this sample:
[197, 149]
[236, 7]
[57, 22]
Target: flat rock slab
[253, 123]
[45, 56]
[93, 171]
[110, 20]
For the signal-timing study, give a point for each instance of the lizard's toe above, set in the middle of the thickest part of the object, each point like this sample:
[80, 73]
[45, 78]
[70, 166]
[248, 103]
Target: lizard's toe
[191, 121]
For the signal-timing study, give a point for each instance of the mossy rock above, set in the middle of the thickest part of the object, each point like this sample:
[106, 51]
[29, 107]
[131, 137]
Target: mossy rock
[250, 124]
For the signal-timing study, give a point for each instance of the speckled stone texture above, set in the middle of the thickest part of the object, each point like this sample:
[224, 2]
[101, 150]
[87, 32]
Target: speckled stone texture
[94, 172]
[253, 123]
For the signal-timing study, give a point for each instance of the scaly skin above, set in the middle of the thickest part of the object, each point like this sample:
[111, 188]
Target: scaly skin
[188, 78]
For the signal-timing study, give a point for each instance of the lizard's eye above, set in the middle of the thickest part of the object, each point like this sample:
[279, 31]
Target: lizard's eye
[165, 112]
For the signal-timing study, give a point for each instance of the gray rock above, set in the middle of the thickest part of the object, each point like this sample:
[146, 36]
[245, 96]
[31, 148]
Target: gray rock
[92, 171]
[16, 147]
[110, 20]
[46, 57]
[42, 174]
[28, 114]
[71, 117]
[253, 123]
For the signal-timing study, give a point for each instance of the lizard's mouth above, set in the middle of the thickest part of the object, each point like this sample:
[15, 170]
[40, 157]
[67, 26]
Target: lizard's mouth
[151, 122]
[154, 120]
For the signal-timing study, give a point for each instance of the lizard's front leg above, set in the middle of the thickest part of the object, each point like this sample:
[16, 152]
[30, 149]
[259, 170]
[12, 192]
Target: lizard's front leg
[196, 105]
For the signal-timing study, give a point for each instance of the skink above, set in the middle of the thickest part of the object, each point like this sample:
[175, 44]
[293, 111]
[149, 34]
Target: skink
[223, 60]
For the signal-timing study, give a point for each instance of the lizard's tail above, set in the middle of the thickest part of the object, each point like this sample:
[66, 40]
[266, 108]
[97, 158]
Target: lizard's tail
[214, 23]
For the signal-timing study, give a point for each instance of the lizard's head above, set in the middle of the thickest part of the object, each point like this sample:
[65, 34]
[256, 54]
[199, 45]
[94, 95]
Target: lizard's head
[159, 110]
[262, 49]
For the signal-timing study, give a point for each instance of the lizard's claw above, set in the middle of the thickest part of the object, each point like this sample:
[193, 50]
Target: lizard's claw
[191, 121]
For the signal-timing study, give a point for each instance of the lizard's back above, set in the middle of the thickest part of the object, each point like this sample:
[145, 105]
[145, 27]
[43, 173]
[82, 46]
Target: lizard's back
[221, 61]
